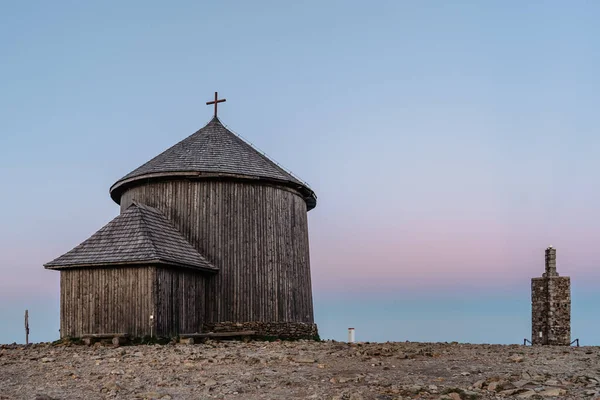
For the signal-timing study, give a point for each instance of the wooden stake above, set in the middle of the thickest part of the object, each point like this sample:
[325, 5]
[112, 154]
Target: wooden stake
[26, 326]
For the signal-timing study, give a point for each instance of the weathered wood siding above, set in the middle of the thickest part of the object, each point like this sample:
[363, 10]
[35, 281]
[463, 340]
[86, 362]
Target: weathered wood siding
[179, 295]
[121, 300]
[106, 300]
[255, 233]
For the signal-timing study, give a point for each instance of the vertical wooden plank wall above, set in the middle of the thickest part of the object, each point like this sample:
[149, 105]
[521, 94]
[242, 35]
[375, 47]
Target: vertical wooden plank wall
[106, 300]
[179, 301]
[257, 234]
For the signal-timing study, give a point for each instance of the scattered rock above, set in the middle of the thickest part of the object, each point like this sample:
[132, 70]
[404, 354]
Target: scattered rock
[469, 395]
[525, 375]
[527, 394]
[552, 382]
[151, 396]
[524, 384]
[414, 389]
[305, 369]
[305, 360]
[479, 384]
[112, 386]
[553, 392]
[209, 382]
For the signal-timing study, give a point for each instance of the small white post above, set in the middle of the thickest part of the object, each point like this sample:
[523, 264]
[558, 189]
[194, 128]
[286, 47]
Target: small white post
[350, 335]
[151, 326]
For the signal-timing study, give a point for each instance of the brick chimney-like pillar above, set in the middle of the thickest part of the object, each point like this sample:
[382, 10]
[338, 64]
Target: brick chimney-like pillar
[551, 306]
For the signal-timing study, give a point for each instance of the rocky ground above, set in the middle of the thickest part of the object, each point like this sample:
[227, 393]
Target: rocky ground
[298, 370]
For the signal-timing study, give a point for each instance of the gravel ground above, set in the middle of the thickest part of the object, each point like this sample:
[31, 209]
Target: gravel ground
[298, 370]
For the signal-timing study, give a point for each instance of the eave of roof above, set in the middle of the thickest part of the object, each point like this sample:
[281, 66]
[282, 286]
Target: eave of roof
[144, 263]
[121, 186]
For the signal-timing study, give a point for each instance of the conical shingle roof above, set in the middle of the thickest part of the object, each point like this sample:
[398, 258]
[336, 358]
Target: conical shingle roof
[140, 235]
[213, 151]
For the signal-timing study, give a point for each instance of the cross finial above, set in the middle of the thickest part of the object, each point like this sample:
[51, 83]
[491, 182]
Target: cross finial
[216, 101]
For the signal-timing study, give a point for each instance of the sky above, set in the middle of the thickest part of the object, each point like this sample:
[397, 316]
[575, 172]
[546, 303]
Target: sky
[448, 145]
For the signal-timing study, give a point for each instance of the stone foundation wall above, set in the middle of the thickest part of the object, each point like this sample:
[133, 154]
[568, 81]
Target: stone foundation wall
[283, 330]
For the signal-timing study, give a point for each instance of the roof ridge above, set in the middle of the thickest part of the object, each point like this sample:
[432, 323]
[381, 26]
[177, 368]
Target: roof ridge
[160, 251]
[145, 231]
[263, 154]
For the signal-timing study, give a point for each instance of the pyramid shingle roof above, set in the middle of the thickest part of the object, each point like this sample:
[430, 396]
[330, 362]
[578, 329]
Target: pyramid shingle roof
[213, 150]
[140, 235]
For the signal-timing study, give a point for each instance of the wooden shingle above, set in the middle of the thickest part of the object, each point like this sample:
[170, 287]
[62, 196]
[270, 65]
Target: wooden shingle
[215, 150]
[140, 235]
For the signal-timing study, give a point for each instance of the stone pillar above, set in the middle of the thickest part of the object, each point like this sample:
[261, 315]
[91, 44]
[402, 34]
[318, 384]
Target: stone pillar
[550, 262]
[539, 331]
[551, 306]
[559, 310]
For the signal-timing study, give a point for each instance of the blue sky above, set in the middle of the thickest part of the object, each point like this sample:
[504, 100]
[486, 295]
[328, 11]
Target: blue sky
[449, 145]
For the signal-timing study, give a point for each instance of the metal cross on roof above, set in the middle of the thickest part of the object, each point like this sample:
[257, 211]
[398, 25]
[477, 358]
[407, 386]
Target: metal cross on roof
[216, 101]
